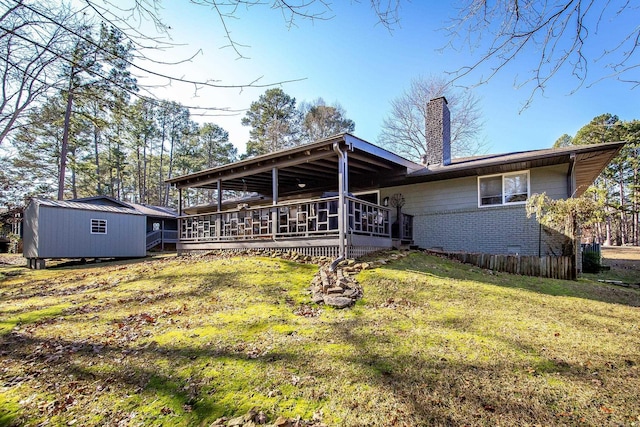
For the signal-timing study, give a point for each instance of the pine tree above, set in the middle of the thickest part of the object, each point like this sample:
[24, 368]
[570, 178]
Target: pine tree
[274, 122]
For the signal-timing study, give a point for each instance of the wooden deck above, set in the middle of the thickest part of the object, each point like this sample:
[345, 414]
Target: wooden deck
[310, 227]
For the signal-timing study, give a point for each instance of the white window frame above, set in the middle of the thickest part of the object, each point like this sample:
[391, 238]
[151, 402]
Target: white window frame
[97, 224]
[503, 176]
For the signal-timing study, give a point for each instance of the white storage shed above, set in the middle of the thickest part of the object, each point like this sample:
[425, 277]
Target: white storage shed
[63, 229]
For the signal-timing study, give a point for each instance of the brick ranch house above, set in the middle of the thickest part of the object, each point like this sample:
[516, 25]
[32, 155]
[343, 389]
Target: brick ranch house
[339, 197]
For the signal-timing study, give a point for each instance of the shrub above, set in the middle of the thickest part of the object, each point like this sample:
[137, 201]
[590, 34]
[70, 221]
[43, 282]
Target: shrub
[591, 262]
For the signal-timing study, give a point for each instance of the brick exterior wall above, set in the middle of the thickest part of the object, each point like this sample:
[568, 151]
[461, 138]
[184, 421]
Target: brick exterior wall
[499, 230]
[447, 216]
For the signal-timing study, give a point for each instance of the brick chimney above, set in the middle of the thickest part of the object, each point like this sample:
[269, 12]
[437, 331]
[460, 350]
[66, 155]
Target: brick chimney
[438, 127]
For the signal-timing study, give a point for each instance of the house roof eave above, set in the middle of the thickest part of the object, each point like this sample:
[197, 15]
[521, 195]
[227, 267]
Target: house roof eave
[311, 163]
[246, 164]
[504, 163]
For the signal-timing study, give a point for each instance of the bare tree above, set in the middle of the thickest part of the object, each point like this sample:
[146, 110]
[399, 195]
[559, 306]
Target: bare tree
[557, 35]
[403, 131]
[387, 12]
[34, 32]
[29, 47]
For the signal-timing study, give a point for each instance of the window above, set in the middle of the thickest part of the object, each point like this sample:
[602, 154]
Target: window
[371, 197]
[98, 226]
[506, 189]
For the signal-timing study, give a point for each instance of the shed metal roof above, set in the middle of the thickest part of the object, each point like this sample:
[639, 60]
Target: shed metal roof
[83, 206]
[149, 210]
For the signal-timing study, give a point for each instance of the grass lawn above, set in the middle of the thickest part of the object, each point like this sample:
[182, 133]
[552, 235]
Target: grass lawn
[184, 341]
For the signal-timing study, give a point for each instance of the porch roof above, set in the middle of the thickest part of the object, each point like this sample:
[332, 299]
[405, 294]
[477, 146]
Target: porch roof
[313, 168]
[305, 168]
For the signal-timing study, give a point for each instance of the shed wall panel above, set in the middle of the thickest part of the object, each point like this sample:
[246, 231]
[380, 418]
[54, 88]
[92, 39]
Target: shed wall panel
[66, 233]
[30, 231]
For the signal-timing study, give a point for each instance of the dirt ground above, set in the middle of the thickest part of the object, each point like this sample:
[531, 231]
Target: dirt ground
[12, 259]
[624, 259]
[629, 254]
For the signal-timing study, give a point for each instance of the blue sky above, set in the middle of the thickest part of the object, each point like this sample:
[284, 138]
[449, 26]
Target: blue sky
[355, 61]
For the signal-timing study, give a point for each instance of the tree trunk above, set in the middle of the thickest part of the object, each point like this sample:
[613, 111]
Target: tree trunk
[74, 187]
[139, 174]
[160, 180]
[636, 195]
[110, 162]
[144, 170]
[65, 138]
[168, 186]
[119, 164]
[96, 138]
[623, 220]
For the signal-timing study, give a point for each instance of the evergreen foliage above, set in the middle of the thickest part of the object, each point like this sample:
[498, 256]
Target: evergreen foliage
[616, 192]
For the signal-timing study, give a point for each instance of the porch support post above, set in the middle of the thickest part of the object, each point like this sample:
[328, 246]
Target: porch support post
[162, 235]
[345, 202]
[345, 172]
[180, 220]
[219, 203]
[274, 211]
[571, 176]
[342, 181]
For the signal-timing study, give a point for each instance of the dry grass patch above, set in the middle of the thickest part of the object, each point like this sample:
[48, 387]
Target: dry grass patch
[624, 264]
[183, 341]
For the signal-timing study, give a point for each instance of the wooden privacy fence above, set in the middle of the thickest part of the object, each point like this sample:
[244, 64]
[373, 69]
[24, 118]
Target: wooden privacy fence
[553, 267]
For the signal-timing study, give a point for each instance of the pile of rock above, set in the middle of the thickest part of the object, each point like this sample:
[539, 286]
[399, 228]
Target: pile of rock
[337, 288]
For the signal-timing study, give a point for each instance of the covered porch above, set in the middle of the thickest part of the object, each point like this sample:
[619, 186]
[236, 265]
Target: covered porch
[316, 199]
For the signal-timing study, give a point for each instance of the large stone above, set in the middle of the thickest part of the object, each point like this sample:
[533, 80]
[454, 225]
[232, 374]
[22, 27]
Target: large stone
[282, 422]
[344, 283]
[351, 293]
[317, 298]
[337, 301]
[335, 290]
[323, 276]
[235, 422]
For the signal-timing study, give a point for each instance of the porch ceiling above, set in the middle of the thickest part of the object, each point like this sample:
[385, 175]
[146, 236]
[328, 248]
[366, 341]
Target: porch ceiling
[313, 165]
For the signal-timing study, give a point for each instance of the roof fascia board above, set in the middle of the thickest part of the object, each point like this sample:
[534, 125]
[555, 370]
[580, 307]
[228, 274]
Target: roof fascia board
[227, 174]
[259, 159]
[528, 156]
[109, 198]
[354, 142]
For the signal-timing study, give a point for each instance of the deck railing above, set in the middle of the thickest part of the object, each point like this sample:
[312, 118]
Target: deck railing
[298, 219]
[406, 228]
[156, 237]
